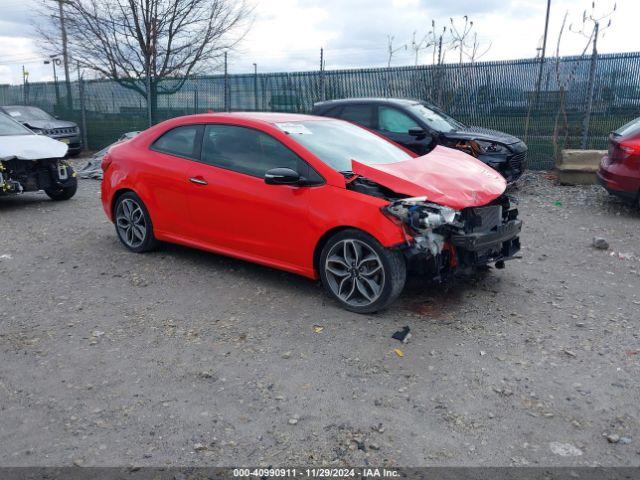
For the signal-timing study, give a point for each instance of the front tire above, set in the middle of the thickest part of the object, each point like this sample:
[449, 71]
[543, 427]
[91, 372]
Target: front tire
[358, 272]
[65, 193]
[133, 223]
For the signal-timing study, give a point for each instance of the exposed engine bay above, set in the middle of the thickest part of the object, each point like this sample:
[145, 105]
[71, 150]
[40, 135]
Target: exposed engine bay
[442, 240]
[51, 175]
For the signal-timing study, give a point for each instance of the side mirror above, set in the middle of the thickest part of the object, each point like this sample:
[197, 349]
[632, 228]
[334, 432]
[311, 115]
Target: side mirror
[418, 133]
[282, 176]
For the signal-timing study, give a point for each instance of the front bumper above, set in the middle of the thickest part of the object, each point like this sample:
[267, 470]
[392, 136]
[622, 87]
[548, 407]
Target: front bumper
[480, 236]
[477, 249]
[475, 242]
[511, 166]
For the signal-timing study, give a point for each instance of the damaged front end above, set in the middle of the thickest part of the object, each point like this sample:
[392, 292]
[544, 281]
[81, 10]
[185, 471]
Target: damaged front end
[18, 176]
[442, 240]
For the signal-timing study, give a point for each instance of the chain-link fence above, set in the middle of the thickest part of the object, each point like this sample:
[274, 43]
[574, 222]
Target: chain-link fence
[505, 95]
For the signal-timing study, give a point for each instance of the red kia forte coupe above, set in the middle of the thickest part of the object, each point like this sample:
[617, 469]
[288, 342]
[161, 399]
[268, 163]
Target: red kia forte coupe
[316, 196]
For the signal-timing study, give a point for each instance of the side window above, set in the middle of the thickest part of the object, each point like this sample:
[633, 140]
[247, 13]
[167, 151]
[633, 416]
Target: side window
[333, 112]
[394, 121]
[180, 141]
[360, 114]
[247, 151]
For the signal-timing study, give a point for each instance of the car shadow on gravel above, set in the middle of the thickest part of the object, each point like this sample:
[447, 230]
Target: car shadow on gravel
[430, 298]
[619, 207]
[262, 275]
[420, 296]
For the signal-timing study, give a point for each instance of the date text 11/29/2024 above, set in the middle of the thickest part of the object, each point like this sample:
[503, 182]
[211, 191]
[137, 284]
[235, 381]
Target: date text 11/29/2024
[315, 472]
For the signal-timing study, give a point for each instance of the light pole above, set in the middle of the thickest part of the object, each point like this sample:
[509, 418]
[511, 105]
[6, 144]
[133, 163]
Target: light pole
[543, 51]
[25, 85]
[55, 61]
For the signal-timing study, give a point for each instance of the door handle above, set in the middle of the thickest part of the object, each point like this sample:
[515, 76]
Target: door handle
[198, 181]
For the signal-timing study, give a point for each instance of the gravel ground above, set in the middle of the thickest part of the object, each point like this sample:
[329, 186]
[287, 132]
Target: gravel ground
[181, 357]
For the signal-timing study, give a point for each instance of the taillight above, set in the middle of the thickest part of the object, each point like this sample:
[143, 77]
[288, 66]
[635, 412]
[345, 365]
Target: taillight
[625, 153]
[628, 150]
[616, 152]
[106, 161]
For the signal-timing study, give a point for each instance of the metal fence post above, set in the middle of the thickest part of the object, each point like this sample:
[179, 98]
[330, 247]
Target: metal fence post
[590, 90]
[322, 91]
[83, 110]
[226, 84]
[148, 91]
[255, 86]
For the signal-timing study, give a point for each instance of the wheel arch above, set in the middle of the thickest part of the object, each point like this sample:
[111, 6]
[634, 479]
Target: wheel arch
[117, 194]
[322, 241]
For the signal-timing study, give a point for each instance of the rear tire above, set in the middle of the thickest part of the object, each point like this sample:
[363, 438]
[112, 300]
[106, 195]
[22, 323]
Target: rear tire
[65, 193]
[133, 223]
[359, 273]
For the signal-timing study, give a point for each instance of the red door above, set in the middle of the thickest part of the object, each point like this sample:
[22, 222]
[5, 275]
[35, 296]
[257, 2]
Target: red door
[234, 211]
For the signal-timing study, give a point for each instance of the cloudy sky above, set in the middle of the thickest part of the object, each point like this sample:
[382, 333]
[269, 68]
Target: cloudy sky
[287, 34]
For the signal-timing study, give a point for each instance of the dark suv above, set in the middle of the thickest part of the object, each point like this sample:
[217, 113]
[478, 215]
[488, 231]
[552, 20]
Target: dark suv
[42, 123]
[420, 126]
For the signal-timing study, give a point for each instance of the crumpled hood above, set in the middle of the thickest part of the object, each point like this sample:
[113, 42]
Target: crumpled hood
[30, 147]
[480, 133]
[445, 176]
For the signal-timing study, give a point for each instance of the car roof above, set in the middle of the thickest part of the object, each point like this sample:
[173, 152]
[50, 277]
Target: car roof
[263, 117]
[19, 106]
[388, 101]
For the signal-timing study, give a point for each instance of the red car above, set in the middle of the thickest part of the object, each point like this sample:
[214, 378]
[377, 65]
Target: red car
[316, 196]
[619, 170]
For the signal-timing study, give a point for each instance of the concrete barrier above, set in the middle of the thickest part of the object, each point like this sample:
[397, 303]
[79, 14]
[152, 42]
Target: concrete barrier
[579, 167]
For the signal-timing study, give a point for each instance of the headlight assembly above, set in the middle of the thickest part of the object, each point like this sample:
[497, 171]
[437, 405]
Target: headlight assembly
[489, 148]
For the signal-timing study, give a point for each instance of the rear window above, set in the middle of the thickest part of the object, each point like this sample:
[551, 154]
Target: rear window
[631, 129]
[181, 141]
[360, 114]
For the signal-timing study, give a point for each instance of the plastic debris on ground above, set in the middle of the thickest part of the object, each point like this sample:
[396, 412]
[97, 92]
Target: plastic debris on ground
[624, 255]
[398, 352]
[402, 335]
[317, 329]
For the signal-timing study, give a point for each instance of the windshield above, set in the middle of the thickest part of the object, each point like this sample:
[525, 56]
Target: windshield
[436, 120]
[336, 143]
[21, 113]
[11, 127]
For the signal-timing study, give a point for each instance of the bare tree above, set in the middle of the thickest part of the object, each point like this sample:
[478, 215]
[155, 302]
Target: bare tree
[437, 39]
[459, 35]
[475, 51]
[140, 43]
[563, 81]
[391, 51]
[460, 38]
[595, 20]
[418, 45]
[592, 23]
